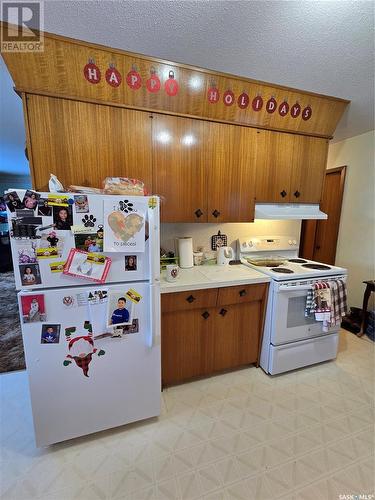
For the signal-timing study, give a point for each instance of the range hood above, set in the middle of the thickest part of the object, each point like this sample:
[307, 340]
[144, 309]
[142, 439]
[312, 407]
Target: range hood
[285, 211]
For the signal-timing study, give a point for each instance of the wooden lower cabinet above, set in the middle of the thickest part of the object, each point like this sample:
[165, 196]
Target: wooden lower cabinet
[201, 341]
[185, 351]
[235, 335]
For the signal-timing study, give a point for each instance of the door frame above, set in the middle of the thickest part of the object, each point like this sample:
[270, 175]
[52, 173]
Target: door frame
[309, 227]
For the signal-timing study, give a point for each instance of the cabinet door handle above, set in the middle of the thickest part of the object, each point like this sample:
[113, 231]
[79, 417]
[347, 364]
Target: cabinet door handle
[216, 213]
[190, 299]
[297, 194]
[283, 193]
[223, 312]
[317, 247]
[242, 293]
[198, 213]
[206, 315]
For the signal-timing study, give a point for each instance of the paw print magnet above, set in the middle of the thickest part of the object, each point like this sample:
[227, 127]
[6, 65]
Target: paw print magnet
[88, 221]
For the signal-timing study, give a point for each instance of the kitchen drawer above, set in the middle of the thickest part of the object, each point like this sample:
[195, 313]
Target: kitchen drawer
[241, 293]
[192, 299]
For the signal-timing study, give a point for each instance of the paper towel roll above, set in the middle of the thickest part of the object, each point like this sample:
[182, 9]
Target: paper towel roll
[185, 252]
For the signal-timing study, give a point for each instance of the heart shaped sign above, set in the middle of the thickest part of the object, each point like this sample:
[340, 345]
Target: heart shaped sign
[123, 226]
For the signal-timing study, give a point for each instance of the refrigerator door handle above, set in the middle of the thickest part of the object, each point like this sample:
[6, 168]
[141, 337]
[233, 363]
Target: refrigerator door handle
[154, 337]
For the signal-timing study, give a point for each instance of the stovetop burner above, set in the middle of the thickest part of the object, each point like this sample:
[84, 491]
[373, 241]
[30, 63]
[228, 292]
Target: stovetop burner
[282, 270]
[316, 266]
[298, 261]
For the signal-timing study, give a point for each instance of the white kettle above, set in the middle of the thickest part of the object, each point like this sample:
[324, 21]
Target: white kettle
[224, 256]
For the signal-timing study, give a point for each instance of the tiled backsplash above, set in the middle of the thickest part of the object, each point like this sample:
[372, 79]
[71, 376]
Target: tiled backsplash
[201, 233]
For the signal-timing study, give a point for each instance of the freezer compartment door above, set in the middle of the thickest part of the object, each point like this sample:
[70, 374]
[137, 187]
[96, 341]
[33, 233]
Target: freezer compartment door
[82, 379]
[87, 212]
[298, 354]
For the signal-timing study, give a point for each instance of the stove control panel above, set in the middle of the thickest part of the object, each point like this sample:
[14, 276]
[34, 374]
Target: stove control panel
[267, 243]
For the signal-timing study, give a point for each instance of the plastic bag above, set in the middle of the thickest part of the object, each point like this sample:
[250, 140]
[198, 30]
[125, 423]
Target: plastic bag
[124, 186]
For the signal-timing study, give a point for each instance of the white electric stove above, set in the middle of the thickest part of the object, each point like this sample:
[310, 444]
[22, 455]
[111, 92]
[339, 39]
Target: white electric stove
[290, 340]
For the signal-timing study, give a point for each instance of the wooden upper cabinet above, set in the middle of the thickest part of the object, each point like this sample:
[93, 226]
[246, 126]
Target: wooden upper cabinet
[289, 167]
[231, 153]
[82, 143]
[179, 165]
[274, 166]
[308, 169]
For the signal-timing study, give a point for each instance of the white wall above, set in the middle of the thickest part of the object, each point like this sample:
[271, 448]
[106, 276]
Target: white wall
[356, 248]
[201, 233]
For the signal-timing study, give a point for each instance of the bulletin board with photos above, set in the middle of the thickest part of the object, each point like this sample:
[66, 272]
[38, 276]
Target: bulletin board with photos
[73, 238]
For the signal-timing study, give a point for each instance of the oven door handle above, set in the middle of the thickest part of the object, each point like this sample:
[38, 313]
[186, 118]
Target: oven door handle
[286, 288]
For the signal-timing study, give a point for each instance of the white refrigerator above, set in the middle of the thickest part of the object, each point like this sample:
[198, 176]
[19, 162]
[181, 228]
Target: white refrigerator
[92, 348]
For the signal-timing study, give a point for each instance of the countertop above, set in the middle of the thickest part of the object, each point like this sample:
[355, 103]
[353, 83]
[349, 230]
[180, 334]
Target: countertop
[199, 277]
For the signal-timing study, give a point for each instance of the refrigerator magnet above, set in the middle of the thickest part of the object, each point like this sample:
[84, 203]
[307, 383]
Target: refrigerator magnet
[57, 267]
[119, 310]
[134, 296]
[81, 347]
[91, 266]
[50, 334]
[33, 308]
[124, 227]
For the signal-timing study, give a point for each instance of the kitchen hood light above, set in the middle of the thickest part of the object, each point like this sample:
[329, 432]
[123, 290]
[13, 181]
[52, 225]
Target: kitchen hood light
[282, 211]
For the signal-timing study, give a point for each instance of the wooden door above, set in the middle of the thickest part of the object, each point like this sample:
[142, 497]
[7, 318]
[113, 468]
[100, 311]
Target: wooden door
[185, 345]
[236, 331]
[309, 166]
[319, 237]
[179, 168]
[82, 143]
[274, 164]
[230, 164]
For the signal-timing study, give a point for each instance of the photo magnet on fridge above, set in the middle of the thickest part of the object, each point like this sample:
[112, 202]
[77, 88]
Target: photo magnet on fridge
[81, 204]
[30, 274]
[124, 227]
[130, 262]
[13, 201]
[44, 208]
[119, 310]
[30, 200]
[33, 308]
[62, 217]
[50, 334]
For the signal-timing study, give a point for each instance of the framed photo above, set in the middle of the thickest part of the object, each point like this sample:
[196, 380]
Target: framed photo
[30, 200]
[119, 310]
[62, 217]
[43, 208]
[30, 274]
[81, 204]
[130, 262]
[33, 308]
[50, 334]
[92, 266]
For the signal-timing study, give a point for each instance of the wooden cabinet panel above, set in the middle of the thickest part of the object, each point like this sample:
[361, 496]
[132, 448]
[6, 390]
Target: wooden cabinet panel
[185, 345]
[240, 294]
[309, 166]
[193, 299]
[83, 143]
[289, 164]
[179, 168]
[235, 335]
[231, 152]
[274, 163]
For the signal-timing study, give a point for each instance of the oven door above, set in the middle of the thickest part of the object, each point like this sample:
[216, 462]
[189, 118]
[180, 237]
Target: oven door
[289, 323]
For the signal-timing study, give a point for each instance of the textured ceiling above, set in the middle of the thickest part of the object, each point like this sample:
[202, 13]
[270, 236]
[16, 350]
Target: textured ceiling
[322, 46]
